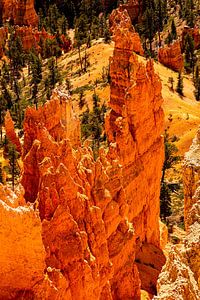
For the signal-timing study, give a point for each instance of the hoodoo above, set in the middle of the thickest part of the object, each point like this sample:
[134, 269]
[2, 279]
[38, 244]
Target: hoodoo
[98, 219]
[18, 12]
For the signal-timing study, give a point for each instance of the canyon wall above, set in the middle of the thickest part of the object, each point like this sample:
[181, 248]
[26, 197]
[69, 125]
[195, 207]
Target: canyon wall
[18, 12]
[171, 56]
[99, 219]
[180, 277]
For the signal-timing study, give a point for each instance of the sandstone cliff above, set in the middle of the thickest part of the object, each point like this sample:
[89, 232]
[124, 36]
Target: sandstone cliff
[171, 56]
[100, 219]
[18, 12]
[180, 277]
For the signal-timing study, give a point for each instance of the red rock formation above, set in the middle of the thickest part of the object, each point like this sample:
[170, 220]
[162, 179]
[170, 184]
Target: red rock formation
[22, 254]
[99, 216]
[10, 132]
[134, 8]
[195, 33]
[171, 56]
[100, 219]
[135, 124]
[180, 277]
[31, 38]
[27, 37]
[23, 272]
[120, 21]
[19, 12]
[3, 38]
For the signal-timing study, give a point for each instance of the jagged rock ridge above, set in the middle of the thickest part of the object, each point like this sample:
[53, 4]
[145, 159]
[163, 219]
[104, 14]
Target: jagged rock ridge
[99, 219]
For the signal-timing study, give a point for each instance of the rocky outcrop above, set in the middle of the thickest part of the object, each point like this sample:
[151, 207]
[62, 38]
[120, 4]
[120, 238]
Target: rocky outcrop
[191, 177]
[19, 12]
[56, 120]
[195, 33]
[180, 277]
[10, 132]
[99, 218]
[134, 8]
[21, 228]
[32, 38]
[135, 124]
[120, 21]
[23, 271]
[3, 38]
[171, 56]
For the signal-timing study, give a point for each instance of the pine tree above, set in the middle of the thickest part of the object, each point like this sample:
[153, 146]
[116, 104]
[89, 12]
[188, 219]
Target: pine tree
[12, 155]
[170, 160]
[81, 102]
[197, 90]
[173, 30]
[189, 53]
[197, 84]
[179, 87]
[1, 174]
[36, 75]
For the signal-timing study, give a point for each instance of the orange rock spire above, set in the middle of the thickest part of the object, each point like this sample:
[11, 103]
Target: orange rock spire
[100, 219]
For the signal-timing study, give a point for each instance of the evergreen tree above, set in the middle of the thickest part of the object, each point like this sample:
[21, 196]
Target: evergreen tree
[189, 53]
[12, 155]
[54, 76]
[197, 90]
[170, 160]
[36, 75]
[1, 174]
[179, 87]
[92, 124]
[197, 84]
[173, 30]
[149, 26]
[81, 101]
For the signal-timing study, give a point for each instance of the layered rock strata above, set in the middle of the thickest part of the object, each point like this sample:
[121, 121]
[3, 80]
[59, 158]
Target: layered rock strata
[99, 218]
[135, 124]
[180, 277]
[171, 56]
[18, 12]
